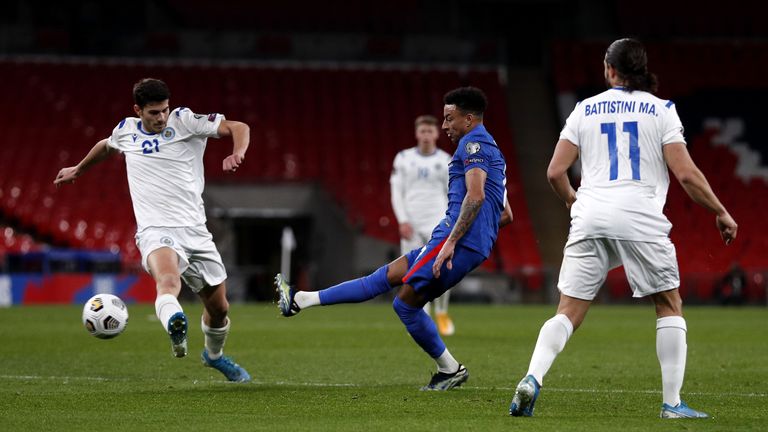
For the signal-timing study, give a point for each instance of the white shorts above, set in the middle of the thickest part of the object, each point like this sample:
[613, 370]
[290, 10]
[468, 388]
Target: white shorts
[651, 267]
[417, 240]
[199, 261]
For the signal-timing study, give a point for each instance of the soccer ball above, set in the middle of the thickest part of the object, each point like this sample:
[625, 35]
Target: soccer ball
[105, 316]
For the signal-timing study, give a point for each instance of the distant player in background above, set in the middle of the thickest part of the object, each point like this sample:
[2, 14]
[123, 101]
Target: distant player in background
[477, 208]
[419, 186]
[626, 138]
[164, 159]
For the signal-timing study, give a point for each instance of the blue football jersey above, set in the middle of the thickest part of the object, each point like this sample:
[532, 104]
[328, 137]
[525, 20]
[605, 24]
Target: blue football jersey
[477, 149]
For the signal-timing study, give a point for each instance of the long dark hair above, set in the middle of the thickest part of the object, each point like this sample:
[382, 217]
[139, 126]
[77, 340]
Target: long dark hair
[630, 60]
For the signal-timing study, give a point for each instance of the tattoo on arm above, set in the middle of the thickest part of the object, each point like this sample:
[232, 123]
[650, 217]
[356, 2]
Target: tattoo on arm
[470, 208]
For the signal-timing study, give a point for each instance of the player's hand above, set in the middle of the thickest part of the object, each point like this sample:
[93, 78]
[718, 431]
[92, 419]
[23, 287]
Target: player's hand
[445, 256]
[66, 175]
[406, 230]
[232, 162]
[727, 227]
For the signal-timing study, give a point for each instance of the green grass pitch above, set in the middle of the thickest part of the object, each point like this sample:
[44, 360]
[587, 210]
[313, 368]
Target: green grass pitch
[353, 367]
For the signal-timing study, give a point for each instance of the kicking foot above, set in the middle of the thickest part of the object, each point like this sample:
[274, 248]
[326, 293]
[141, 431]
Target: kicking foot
[230, 369]
[285, 303]
[444, 381]
[526, 393]
[681, 411]
[177, 330]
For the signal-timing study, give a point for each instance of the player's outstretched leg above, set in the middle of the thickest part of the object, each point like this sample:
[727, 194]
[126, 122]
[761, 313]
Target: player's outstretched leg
[422, 329]
[291, 301]
[174, 321]
[526, 393]
[213, 354]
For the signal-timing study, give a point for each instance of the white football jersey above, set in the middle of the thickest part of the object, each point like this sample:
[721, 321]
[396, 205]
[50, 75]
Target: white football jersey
[624, 181]
[165, 170]
[419, 186]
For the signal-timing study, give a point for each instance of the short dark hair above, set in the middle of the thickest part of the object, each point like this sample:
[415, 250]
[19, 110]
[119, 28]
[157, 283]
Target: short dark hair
[630, 60]
[426, 120]
[150, 90]
[467, 100]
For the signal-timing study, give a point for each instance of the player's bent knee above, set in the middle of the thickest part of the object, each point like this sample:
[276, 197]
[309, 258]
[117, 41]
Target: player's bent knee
[668, 303]
[168, 283]
[403, 310]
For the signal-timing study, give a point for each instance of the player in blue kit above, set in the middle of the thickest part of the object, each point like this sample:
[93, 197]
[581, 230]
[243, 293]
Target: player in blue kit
[477, 208]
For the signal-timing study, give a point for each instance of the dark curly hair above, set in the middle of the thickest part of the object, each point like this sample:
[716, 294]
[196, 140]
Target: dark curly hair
[150, 90]
[630, 60]
[468, 100]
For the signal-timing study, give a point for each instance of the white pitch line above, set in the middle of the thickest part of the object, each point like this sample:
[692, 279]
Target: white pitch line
[59, 378]
[567, 390]
[351, 385]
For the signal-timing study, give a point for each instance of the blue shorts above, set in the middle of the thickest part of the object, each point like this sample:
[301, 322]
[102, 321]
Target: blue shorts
[420, 262]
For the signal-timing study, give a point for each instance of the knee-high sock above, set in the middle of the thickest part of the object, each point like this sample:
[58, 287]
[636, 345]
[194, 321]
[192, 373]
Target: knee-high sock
[671, 348]
[215, 338]
[423, 330]
[358, 290]
[552, 338]
[441, 303]
[165, 306]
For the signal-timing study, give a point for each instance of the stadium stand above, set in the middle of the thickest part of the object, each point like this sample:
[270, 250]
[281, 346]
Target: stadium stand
[337, 126]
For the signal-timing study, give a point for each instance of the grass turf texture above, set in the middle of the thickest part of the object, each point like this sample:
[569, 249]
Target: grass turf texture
[354, 367]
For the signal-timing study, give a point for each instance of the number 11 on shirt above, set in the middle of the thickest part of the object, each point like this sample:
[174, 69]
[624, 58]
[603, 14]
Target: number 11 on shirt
[634, 148]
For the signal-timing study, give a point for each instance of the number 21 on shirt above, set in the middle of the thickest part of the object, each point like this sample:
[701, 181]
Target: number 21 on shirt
[147, 146]
[634, 148]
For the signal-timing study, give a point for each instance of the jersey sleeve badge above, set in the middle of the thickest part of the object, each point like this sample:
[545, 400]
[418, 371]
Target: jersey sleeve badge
[472, 147]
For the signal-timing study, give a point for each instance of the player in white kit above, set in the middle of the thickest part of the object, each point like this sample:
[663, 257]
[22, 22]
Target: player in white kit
[164, 159]
[419, 186]
[626, 138]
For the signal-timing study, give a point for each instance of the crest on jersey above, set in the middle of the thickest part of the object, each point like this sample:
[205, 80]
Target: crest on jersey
[168, 133]
[472, 147]
[167, 241]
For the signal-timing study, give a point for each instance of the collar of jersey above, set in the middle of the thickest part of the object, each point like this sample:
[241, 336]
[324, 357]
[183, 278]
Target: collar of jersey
[618, 88]
[143, 131]
[478, 131]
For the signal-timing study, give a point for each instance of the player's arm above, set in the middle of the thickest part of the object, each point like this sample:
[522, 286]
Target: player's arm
[506, 214]
[397, 193]
[98, 153]
[470, 208]
[241, 137]
[696, 186]
[565, 155]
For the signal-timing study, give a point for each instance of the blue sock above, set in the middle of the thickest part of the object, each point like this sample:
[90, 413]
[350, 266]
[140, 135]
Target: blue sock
[358, 290]
[421, 327]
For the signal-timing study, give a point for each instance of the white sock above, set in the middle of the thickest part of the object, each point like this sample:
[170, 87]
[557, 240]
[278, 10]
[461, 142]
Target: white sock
[552, 338]
[671, 349]
[215, 338]
[165, 306]
[446, 363]
[307, 299]
[441, 303]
